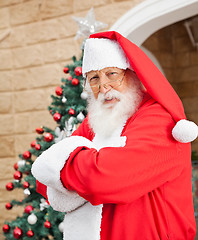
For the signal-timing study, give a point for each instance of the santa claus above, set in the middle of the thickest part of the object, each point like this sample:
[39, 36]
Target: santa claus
[125, 173]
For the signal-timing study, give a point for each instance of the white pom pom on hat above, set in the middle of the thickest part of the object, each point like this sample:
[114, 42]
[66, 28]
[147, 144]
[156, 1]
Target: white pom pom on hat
[185, 131]
[154, 81]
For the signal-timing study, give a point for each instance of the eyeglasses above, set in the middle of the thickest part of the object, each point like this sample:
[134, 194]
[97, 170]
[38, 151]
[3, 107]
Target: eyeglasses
[112, 76]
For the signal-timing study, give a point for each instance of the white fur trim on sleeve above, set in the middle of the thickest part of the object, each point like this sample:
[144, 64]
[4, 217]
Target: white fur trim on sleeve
[64, 202]
[185, 131]
[47, 167]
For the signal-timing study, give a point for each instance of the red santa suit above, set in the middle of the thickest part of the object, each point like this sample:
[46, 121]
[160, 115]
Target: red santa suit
[145, 186]
[139, 182]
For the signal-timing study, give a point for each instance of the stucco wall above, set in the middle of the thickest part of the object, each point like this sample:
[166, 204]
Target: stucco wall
[36, 41]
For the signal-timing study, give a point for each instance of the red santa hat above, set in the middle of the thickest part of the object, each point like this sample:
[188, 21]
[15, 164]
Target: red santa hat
[110, 49]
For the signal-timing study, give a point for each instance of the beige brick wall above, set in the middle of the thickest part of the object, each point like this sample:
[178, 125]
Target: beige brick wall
[36, 41]
[179, 60]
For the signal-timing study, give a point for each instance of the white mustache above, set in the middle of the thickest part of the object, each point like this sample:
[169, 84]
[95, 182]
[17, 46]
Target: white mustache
[109, 95]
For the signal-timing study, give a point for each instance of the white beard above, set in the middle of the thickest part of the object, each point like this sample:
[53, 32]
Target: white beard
[104, 119]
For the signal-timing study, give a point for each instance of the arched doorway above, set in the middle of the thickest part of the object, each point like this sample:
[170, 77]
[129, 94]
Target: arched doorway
[149, 16]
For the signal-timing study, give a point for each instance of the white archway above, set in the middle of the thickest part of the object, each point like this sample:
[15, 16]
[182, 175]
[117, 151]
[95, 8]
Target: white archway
[151, 15]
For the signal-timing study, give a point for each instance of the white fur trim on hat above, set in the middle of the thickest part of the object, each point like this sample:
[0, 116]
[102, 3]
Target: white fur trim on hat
[185, 131]
[100, 53]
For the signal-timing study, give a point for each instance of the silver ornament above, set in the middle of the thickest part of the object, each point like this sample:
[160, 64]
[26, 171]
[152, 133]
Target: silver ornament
[64, 100]
[80, 117]
[32, 219]
[43, 204]
[84, 95]
[69, 126]
[21, 163]
[88, 25]
[61, 227]
[26, 192]
[57, 131]
[70, 121]
[59, 135]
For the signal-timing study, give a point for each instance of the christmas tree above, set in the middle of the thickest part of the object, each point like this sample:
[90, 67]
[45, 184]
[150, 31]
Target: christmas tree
[68, 109]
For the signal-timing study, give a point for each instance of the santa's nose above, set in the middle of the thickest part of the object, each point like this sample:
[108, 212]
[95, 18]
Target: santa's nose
[104, 87]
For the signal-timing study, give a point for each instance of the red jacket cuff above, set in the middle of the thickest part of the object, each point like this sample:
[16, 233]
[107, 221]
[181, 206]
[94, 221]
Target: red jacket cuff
[42, 189]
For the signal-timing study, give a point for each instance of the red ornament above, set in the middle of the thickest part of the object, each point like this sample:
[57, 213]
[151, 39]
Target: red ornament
[48, 137]
[65, 69]
[59, 91]
[17, 233]
[75, 81]
[37, 147]
[6, 228]
[78, 71]
[28, 209]
[26, 184]
[71, 111]
[39, 130]
[30, 233]
[9, 186]
[8, 206]
[33, 143]
[69, 78]
[16, 166]
[47, 224]
[57, 116]
[17, 175]
[26, 155]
